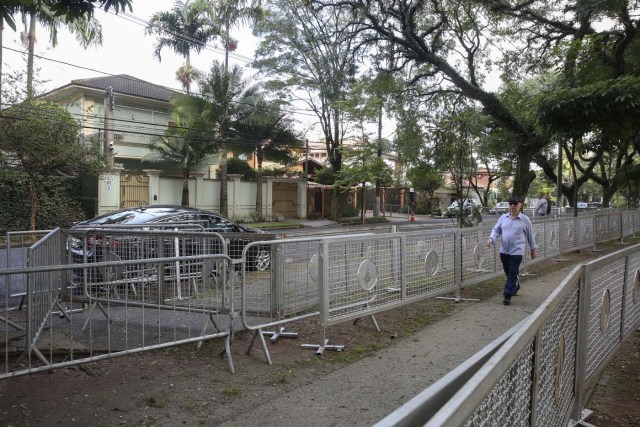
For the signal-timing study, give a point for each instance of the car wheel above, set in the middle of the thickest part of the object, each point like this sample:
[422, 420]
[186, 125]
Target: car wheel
[261, 260]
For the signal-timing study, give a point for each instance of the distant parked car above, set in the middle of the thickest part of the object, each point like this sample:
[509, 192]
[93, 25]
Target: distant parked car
[582, 205]
[500, 208]
[454, 209]
[594, 205]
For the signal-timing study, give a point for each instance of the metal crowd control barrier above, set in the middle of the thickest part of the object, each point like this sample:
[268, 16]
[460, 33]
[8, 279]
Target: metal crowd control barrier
[284, 293]
[17, 244]
[121, 272]
[86, 246]
[126, 325]
[360, 275]
[542, 373]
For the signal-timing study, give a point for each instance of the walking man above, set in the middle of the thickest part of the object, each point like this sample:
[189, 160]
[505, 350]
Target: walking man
[515, 229]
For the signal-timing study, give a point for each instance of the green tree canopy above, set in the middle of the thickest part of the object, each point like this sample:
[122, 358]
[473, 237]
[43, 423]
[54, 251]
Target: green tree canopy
[40, 139]
[186, 145]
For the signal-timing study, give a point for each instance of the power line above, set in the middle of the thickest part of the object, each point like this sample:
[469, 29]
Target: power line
[140, 125]
[184, 37]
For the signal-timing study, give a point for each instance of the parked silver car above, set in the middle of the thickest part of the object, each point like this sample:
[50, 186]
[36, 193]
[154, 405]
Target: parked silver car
[500, 208]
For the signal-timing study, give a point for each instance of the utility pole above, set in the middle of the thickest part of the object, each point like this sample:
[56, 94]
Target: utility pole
[559, 178]
[306, 160]
[108, 125]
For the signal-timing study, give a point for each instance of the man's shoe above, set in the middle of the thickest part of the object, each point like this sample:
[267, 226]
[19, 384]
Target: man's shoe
[517, 286]
[506, 300]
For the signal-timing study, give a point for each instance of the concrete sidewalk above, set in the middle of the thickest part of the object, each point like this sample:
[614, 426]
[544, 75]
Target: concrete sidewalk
[364, 392]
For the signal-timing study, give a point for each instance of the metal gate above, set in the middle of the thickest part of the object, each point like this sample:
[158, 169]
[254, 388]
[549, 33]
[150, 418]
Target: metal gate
[285, 199]
[134, 189]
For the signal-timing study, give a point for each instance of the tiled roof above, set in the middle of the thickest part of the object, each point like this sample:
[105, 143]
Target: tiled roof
[128, 85]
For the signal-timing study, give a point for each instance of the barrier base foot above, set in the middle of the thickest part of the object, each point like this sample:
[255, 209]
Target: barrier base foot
[586, 413]
[458, 299]
[321, 348]
[280, 333]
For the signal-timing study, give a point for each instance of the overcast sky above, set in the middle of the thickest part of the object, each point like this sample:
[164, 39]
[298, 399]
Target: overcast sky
[125, 50]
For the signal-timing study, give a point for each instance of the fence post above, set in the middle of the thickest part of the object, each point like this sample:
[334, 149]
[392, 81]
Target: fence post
[277, 281]
[403, 268]
[457, 269]
[581, 341]
[323, 291]
[537, 363]
[595, 232]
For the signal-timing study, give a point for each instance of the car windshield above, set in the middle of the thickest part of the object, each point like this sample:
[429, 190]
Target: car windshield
[124, 217]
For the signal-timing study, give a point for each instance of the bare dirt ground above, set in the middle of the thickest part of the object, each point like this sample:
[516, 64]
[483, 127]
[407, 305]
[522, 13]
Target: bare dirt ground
[185, 386]
[616, 398]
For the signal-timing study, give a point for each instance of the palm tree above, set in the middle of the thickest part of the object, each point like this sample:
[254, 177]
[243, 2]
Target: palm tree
[228, 101]
[227, 13]
[187, 145]
[87, 30]
[183, 29]
[269, 135]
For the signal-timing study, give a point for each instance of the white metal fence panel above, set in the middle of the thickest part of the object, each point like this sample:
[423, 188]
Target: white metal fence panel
[606, 285]
[603, 228]
[478, 262]
[632, 293]
[286, 290]
[363, 272]
[547, 234]
[509, 402]
[627, 223]
[428, 262]
[557, 362]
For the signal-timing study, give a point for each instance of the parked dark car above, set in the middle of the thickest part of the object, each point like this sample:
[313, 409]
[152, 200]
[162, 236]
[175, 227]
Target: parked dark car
[259, 257]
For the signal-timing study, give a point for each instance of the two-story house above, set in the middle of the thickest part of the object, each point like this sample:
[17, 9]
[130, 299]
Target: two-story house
[125, 115]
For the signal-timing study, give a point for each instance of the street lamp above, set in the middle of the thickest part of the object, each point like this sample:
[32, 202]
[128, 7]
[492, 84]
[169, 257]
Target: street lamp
[306, 160]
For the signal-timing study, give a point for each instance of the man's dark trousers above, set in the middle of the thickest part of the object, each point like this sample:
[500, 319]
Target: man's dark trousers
[511, 266]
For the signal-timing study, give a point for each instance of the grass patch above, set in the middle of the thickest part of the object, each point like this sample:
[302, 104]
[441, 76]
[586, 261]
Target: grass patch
[282, 377]
[233, 391]
[275, 225]
[189, 403]
[484, 290]
[146, 421]
[358, 220]
[157, 402]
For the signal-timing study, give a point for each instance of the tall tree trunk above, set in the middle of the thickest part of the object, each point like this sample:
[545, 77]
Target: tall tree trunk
[31, 52]
[337, 155]
[33, 198]
[362, 201]
[185, 188]
[1, 46]
[223, 181]
[188, 64]
[376, 202]
[524, 176]
[259, 158]
[226, 44]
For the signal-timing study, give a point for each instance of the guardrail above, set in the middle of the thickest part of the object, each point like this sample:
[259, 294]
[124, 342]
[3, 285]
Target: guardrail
[125, 325]
[542, 373]
[334, 278]
[343, 278]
